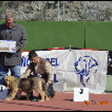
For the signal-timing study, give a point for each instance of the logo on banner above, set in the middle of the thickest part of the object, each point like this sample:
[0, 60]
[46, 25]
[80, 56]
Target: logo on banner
[25, 62]
[83, 67]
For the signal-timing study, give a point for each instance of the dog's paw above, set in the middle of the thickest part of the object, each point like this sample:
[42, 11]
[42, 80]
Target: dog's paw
[47, 99]
[41, 100]
[8, 99]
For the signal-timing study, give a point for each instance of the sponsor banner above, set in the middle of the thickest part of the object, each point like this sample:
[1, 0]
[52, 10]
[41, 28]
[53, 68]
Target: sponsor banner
[75, 68]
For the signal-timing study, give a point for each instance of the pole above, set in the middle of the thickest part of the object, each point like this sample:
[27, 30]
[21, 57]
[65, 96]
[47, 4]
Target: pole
[58, 10]
[63, 10]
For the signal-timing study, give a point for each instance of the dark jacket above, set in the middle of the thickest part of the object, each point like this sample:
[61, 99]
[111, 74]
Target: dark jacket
[17, 34]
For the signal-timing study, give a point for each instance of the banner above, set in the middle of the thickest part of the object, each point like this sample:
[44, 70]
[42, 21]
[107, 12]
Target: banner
[75, 68]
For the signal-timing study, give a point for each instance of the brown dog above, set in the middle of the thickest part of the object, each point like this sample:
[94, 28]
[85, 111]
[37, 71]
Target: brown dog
[26, 85]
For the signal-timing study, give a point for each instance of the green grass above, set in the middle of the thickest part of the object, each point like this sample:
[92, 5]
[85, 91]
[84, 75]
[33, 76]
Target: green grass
[49, 34]
[42, 35]
[99, 35]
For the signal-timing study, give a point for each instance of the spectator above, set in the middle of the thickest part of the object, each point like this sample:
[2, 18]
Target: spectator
[10, 30]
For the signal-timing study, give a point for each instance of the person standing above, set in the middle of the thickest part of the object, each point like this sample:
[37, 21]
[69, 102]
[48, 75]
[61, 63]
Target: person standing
[10, 30]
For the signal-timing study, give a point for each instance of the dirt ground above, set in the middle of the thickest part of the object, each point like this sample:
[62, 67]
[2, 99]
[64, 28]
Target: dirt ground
[63, 101]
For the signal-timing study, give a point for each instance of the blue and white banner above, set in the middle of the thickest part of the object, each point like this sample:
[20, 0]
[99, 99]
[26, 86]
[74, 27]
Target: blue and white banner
[75, 68]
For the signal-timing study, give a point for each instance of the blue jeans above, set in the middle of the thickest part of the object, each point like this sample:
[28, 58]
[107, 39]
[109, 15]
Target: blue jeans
[15, 71]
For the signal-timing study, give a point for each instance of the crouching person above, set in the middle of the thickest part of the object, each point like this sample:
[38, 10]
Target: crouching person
[42, 68]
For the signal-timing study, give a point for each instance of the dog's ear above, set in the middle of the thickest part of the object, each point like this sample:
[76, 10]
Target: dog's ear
[16, 81]
[12, 80]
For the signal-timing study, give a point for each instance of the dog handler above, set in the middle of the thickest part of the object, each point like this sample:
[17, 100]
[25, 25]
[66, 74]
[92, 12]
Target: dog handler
[10, 30]
[42, 68]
